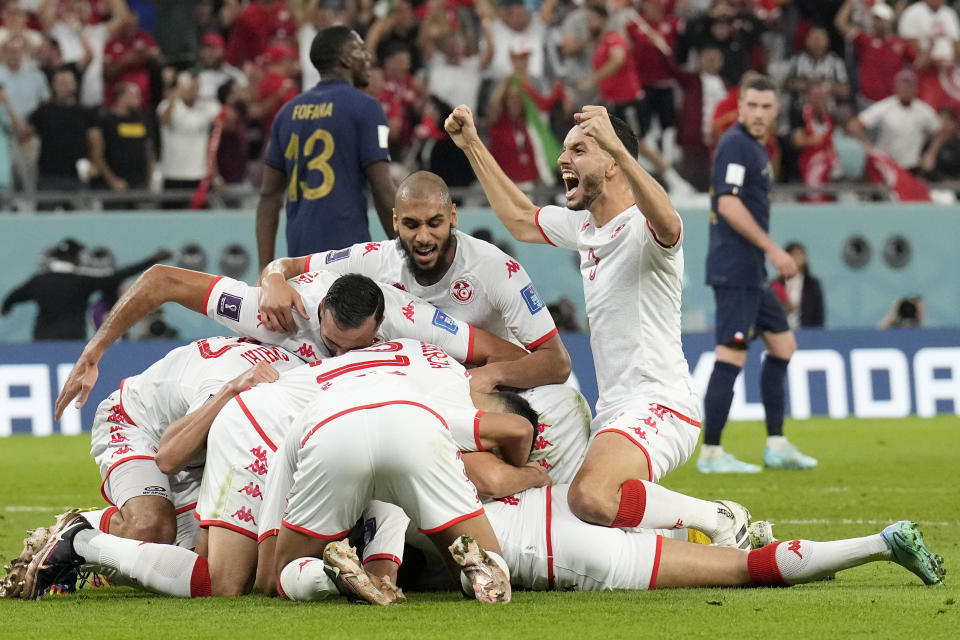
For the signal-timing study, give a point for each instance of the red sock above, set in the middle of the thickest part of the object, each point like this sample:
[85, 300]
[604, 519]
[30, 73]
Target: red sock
[762, 565]
[106, 517]
[200, 579]
[633, 502]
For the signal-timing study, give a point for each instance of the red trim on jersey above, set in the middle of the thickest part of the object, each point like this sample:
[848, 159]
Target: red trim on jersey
[470, 339]
[550, 577]
[383, 556]
[186, 508]
[110, 470]
[657, 240]
[306, 263]
[206, 298]
[313, 534]
[679, 415]
[372, 406]
[268, 534]
[447, 525]
[539, 341]
[656, 564]
[536, 220]
[123, 411]
[476, 429]
[227, 525]
[105, 518]
[256, 425]
[200, 579]
[639, 446]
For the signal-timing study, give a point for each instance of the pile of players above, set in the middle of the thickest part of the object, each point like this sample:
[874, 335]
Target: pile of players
[346, 415]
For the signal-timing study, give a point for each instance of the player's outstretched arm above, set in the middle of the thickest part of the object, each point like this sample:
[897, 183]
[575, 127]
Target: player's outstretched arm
[278, 298]
[511, 205]
[495, 478]
[650, 197]
[489, 348]
[549, 363]
[737, 215]
[187, 436]
[157, 285]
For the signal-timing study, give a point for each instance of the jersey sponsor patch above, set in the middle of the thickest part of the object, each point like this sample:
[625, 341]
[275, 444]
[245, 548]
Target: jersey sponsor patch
[383, 135]
[228, 306]
[462, 291]
[445, 322]
[336, 256]
[735, 174]
[532, 298]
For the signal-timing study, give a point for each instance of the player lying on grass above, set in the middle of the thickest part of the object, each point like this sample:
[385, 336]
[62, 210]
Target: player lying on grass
[467, 278]
[234, 305]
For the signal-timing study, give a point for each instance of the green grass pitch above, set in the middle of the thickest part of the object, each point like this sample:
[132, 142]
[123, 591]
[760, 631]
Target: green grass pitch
[871, 472]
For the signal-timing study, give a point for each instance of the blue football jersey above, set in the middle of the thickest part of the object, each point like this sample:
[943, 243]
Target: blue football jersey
[323, 140]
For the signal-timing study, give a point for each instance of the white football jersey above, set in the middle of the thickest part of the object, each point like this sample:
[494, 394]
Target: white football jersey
[235, 305]
[271, 408]
[632, 286]
[185, 378]
[563, 430]
[483, 286]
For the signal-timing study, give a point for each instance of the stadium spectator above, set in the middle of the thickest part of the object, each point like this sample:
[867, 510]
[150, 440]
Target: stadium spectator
[438, 21]
[510, 142]
[9, 126]
[313, 18]
[25, 85]
[453, 75]
[214, 71]
[701, 92]
[175, 29]
[130, 56]
[735, 32]
[614, 71]
[813, 137]
[277, 86]
[576, 51]
[941, 159]
[121, 145]
[815, 63]
[184, 133]
[16, 27]
[256, 25]
[906, 313]
[82, 40]
[902, 122]
[938, 83]
[880, 54]
[800, 295]
[63, 127]
[395, 25]
[62, 290]
[927, 22]
[232, 147]
[400, 98]
[514, 28]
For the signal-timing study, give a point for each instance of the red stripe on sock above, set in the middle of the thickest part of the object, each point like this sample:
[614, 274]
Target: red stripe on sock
[106, 517]
[282, 594]
[200, 579]
[762, 566]
[633, 502]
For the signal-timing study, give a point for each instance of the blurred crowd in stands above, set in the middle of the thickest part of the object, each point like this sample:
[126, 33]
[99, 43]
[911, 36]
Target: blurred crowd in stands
[124, 95]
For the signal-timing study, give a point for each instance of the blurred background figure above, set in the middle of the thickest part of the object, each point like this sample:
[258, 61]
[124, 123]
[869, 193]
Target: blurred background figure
[800, 295]
[906, 313]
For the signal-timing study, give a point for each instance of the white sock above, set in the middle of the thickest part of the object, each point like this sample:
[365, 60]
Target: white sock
[802, 561]
[666, 509]
[467, 587]
[710, 451]
[161, 568]
[304, 580]
[778, 443]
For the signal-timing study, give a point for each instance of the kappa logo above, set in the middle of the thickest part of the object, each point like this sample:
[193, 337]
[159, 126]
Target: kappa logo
[543, 463]
[584, 226]
[259, 465]
[532, 299]
[252, 490]
[117, 415]
[513, 501]
[795, 547]
[591, 255]
[228, 306]
[541, 427]
[462, 291]
[117, 438]
[541, 443]
[336, 256]
[512, 267]
[306, 351]
[371, 247]
[306, 278]
[122, 450]
[408, 311]
[640, 432]
[445, 322]
[399, 285]
[304, 563]
[617, 231]
[678, 525]
[244, 514]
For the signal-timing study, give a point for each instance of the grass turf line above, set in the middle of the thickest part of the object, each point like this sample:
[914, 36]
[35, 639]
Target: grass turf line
[870, 470]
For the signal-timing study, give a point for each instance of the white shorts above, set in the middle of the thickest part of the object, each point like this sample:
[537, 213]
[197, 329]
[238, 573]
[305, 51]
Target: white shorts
[547, 547]
[126, 457]
[399, 452]
[666, 437]
[239, 454]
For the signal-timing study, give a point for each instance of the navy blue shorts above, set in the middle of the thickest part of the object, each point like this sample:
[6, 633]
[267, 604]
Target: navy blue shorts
[744, 314]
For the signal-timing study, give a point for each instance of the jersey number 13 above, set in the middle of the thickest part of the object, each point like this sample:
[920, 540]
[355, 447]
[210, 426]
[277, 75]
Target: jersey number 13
[317, 162]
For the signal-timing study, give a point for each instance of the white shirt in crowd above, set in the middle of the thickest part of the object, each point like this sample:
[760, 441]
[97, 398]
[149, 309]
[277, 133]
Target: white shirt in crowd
[901, 130]
[928, 26]
[71, 50]
[531, 39]
[210, 80]
[183, 140]
[455, 84]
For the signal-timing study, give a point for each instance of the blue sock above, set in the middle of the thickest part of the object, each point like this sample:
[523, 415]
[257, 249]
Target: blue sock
[773, 393]
[716, 402]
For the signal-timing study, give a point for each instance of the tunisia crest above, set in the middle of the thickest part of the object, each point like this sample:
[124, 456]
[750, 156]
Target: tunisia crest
[462, 291]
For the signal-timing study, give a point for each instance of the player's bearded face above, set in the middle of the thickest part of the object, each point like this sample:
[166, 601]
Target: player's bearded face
[582, 169]
[424, 227]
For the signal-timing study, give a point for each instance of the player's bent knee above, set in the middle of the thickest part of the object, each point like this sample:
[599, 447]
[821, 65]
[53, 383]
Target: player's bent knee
[150, 527]
[589, 503]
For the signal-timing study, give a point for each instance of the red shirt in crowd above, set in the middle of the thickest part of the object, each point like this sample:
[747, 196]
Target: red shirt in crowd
[272, 83]
[115, 50]
[254, 27]
[940, 88]
[623, 85]
[396, 98]
[880, 60]
[653, 67]
[511, 147]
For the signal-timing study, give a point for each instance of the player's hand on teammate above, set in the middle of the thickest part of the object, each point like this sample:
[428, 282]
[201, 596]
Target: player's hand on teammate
[79, 383]
[260, 372]
[485, 379]
[595, 122]
[541, 475]
[277, 302]
[461, 127]
[783, 262]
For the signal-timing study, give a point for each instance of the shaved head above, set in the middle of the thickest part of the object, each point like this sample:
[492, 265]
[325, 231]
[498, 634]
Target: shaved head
[424, 185]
